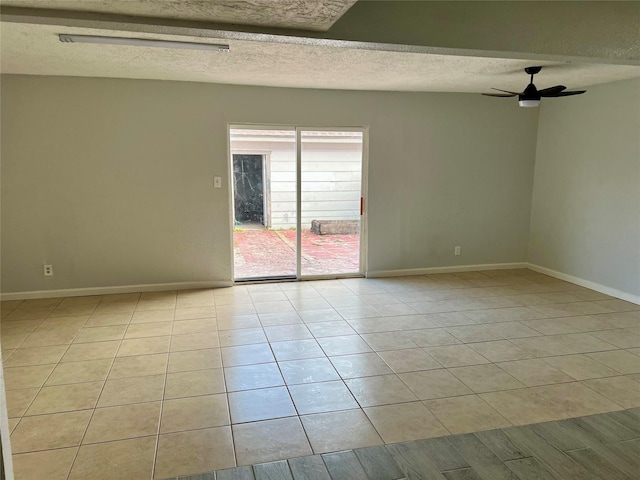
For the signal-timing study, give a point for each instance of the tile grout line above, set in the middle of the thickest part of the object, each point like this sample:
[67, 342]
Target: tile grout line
[164, 385]
[275, 360]
[226, 389]
[75, 458]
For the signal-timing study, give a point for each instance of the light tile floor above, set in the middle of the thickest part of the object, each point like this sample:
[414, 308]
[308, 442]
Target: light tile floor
[178, 383]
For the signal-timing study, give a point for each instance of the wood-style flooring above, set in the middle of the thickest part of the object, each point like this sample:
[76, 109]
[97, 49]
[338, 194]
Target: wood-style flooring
[596, 447]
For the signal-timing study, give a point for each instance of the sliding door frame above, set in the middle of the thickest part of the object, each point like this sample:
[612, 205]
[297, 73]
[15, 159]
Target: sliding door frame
[364, 177]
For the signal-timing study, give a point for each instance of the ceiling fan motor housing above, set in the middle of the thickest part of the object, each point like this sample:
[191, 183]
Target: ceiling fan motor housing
[530, 93]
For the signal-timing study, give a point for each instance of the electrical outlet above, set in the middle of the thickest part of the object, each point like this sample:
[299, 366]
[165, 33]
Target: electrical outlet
[456, 250]
[48, 270]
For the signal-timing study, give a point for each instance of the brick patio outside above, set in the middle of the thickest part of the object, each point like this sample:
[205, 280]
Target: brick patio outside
[265, 253]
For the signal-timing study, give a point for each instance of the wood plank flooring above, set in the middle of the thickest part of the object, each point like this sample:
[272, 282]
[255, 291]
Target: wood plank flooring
[597, 447]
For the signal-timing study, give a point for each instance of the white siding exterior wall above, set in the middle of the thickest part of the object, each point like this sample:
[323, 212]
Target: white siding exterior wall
[331, 175]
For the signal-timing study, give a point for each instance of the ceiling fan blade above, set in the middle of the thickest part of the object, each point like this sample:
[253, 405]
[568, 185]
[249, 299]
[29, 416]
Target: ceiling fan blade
[567, 94]
[551, 90]
[499, 94]
[506, 91]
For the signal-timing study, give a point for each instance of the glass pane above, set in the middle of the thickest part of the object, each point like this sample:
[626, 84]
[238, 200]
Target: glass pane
[264, 203]
[331, 188]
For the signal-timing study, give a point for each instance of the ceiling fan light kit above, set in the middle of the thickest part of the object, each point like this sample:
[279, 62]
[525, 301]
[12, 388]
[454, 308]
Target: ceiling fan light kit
[531, 96]
[523, 102]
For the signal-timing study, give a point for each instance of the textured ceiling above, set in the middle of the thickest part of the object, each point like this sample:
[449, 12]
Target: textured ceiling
[36, 49]
[302, 14]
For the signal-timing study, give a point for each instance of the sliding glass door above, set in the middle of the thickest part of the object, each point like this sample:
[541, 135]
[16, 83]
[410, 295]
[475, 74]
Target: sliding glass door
[330, 188]
[297, 201]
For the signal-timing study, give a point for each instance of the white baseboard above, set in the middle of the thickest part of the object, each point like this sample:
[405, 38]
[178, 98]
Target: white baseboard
[613, 292]
[159, 287]
[453, 269]
[80, 292]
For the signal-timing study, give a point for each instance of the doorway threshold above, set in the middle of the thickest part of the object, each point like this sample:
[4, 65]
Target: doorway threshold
[283, 278]
[289, 278]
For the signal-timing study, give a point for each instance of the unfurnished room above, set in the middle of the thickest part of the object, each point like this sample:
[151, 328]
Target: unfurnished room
[319, 239]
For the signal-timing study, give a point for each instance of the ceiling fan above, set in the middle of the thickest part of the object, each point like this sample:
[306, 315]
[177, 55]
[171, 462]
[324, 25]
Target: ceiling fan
[531, 95]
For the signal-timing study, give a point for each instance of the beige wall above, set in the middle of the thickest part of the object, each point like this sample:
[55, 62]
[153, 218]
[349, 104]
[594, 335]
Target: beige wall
[111, 180]
[586, 203]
